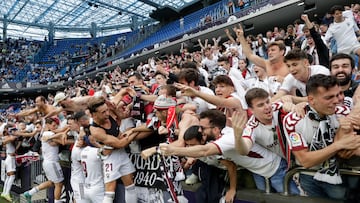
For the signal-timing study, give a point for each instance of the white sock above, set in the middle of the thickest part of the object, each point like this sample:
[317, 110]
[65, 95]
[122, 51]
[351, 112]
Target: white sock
[5, 184]
[58, 201]
[130, 194]
[8, 183]
[109, 197]
[33, 191]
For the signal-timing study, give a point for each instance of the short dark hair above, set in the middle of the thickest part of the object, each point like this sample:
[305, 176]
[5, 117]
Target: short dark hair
[189, 64]
[343, 56]
[189, 75]
[170, 90]
[216, 118]
[193, 132]
[94, 104]
[281, 45]
[159, 73]
[137, 75]
[295, 54]
[336, 8]
[255, 93]
[79, 115]
[320, 80]
[223, 58]
[224, 79]
[42, 98]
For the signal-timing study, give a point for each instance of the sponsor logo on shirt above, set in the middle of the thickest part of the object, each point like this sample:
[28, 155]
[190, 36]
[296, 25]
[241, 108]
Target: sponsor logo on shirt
[295, 139]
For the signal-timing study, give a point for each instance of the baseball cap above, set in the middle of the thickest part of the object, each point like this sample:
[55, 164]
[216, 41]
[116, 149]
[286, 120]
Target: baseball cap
[59, 97]
[163, 102]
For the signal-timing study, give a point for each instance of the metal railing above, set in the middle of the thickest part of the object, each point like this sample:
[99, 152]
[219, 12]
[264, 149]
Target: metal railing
[36, 173]
[292, 172]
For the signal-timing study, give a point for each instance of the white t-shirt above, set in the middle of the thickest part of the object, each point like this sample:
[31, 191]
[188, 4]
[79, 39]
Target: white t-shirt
[343, 33]
[300, 131]
[210, 64]
[2, 126]
[92, 166]
[240, 92]
[201, 105]
[77, 173]
[266, 135]
[49, 153]
[269, 84]
[260, 160]
[290, 82]
[10, 147]
[236, 73]
[205, 74]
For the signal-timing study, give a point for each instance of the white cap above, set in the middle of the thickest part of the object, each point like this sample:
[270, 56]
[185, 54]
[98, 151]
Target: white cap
[59, 97]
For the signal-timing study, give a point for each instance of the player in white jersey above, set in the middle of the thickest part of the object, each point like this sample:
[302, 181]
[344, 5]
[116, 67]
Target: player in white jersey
[10, 167]
[225, 100]
[77, 175]
[212, 124]
[190, 77]
[116, 163]
[317, 138]
[265, 129]
[300, 72]
[343, 30]
[51, 166]
[193, 137]
[94, 187]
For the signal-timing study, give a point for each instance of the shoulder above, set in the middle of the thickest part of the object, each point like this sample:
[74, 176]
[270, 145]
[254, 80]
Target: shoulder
[206, 90]
[276, 106]
[342, 110]
[252, 123]
[319, 69]
[291, 120]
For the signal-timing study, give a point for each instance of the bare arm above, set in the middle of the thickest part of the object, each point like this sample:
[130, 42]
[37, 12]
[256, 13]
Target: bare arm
[54, 112]
[343, 140]
[109, 140]
[27, 112]
[231, 167]
[232, 40]
[26, 134]
[148, 97]
[193, 151]
[216, 100]
[242, 145]
[257, 60]
[201, 45]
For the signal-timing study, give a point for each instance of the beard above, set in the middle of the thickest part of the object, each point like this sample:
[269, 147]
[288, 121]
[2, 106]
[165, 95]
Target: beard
[344, 81]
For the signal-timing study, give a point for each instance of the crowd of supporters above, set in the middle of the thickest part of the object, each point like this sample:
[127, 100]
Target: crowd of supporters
[266, 104]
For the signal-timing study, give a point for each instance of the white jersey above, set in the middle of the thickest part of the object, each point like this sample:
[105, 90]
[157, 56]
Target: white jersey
[269, 84]
[76, 167]
[201, 105]
[236, 73]
[10, 148]
[300, 131]
[210, 64]
[2, 126]
[240, 92]
[259, 160]
[49, 153]
[344, 34]
[290, 82]
[92, 166]
[205, 74]
[268, 136]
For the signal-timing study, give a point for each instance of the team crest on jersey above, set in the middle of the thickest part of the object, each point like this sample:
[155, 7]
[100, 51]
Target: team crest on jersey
[295, 139]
